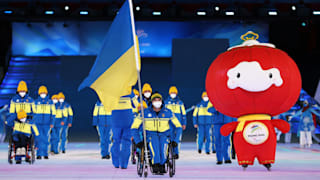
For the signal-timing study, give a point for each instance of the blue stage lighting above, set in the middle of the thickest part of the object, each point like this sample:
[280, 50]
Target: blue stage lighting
[49, 12]
[84, 12]
[8, 12]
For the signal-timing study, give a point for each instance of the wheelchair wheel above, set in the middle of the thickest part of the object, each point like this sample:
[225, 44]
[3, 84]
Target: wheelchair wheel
[171, 161]
[10, 149]
[33, 152]
[140, 164]
[133, 153]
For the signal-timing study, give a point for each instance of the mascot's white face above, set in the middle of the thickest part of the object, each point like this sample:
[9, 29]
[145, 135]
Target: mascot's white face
[251, 77]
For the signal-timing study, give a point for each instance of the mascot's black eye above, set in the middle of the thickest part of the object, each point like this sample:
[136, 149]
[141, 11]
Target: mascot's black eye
[270, 75]
[238, 75]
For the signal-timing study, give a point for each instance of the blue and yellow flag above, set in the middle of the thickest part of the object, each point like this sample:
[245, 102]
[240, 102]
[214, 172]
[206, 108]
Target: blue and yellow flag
[115, 69]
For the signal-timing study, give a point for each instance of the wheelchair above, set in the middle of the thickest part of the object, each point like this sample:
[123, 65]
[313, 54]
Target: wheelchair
[142, 168]
[134, 152]
[30, 150]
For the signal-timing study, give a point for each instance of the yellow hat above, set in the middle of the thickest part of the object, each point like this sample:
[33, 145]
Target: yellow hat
[21, 114]
[204, 94]
[42, 90]
[22, 86]
[61, 96]
[173, 89]
[136, 92]
[156, 95]
[54, 97]
[146, 87]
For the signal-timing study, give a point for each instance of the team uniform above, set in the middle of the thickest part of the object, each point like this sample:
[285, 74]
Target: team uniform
[43, 118]
[203, 119]
[157, 127]
[122, 118]
[65, 128]
[102, 120]
[177, 107]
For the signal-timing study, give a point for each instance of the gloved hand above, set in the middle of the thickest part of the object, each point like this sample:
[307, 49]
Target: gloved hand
[94, 127]
[140, 144]
[174, 144]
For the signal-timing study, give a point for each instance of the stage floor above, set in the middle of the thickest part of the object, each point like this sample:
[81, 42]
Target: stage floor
[82, 161]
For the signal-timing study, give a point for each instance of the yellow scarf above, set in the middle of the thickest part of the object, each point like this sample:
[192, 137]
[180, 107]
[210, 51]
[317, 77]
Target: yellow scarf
[250, 117]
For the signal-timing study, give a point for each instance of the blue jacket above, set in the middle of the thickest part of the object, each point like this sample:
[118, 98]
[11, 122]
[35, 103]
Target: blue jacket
[122, 115]
[201, 116]
[17, 102]
[155, 123]
[100, 116]
[61, 114]
[219, 118]
[177, 107]
[45, 111]
[69, 112]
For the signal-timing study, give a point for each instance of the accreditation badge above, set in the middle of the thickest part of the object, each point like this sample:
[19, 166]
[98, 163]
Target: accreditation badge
[256, 133]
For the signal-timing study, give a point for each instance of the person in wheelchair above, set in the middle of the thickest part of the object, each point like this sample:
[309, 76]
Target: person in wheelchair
[21, 136]
[157, 125]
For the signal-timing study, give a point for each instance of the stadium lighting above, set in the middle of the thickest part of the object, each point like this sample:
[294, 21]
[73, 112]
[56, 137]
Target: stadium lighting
[272, 13]
[84, 12]
[156, 13]
[49, 12]
[66, 8]
[229, 13]
[201, 13]
[7, 12]
[293, 8]
[216, 8]
[316, 12]
[138, 8]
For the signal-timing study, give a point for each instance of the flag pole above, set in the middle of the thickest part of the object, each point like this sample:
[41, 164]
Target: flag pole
[139, 79]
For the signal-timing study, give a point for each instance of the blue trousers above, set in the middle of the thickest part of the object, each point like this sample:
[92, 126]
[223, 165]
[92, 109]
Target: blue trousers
[204, 135]
[55, 138]
[64, 137]
[42, 141]
[120, 149]
[213, 139]
[158, 146]
[175, 135]
[222, 144]
[105, 139]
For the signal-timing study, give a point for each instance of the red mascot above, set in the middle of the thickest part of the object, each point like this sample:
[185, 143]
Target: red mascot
[253, 82]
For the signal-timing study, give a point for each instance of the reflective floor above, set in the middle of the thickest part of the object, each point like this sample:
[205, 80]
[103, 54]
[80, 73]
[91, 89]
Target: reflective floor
[82, 161]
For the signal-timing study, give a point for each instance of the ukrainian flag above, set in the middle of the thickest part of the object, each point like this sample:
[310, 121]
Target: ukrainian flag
[116, 68]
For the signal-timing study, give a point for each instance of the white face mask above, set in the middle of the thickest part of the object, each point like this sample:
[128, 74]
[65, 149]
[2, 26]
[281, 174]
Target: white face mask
[42, 95]
[23, 120]
[205, 99]
[147, 94]
[157, 104]
[22, 94]
[55, 101]
[61, 100]
[173, 95]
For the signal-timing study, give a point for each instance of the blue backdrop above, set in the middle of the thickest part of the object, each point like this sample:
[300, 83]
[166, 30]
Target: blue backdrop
[155, 37]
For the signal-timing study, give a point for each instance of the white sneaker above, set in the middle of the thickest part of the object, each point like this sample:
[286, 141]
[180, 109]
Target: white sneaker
[23, 151]
[18, 151]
